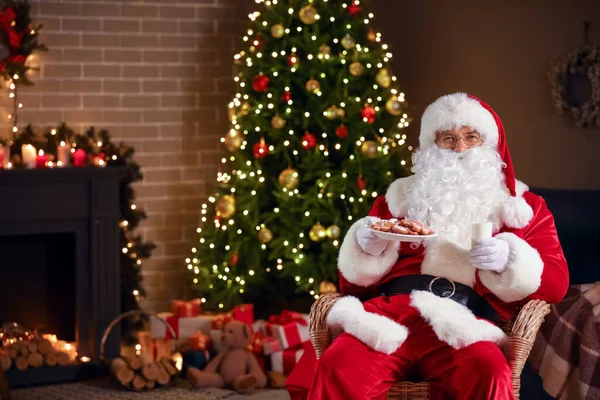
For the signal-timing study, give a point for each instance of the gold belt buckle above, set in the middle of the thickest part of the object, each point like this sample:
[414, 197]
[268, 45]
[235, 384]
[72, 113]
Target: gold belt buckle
[449, 280]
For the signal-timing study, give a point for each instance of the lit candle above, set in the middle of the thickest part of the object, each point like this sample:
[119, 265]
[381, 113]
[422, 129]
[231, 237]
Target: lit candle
[79, 158]
[5, 156]
[28, 155]
[63, 153]
[41, 160]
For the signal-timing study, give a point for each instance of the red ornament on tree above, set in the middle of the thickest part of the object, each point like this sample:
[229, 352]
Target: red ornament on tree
[286, 96]
[260, 83]
[309, 141]
[234, 259]
[293, 60]
[341, 131]
[369, 114]
[360, 182]
[257, 43]
[218, 218]
[354, 9]
[260, 149]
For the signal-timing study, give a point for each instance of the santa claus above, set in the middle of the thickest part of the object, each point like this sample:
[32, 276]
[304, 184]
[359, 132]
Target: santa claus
[428, 310]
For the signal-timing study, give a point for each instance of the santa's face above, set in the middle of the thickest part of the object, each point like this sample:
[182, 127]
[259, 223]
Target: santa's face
[458, 182]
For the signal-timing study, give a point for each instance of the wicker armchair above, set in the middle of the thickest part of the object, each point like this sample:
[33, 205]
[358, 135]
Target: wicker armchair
[521, 331]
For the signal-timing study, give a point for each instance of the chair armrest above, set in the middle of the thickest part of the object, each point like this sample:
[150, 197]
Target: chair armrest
[522, 337]
[320, 336]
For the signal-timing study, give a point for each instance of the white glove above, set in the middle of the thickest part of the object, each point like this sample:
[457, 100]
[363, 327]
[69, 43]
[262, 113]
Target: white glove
[368, 241]
[490, 254]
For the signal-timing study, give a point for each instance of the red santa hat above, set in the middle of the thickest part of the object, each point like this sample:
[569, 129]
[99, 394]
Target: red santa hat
[460, 109]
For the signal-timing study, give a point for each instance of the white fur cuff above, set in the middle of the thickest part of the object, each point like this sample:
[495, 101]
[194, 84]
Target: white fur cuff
[374, 330]
[523, 273]
[361, 268]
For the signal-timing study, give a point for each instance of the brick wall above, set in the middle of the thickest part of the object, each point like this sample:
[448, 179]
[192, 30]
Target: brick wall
[158, 75]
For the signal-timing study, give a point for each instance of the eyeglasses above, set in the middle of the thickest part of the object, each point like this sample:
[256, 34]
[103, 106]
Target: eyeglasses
[450, 141]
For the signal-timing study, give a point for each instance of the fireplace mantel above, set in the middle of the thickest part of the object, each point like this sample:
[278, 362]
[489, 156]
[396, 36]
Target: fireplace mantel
[84, 202]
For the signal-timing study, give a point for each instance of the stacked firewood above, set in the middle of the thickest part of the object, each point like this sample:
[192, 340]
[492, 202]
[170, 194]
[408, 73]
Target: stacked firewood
[135, 373]
[25, 354]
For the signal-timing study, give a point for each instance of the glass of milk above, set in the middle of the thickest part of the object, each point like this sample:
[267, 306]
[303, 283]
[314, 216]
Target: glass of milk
[481, 230]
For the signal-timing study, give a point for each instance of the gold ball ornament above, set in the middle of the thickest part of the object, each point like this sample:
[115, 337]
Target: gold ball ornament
[308, 15]
[383, 78]
[324, 49]
[317, 232]
[327, 287]
[233, 140]
[333, 232]
[226, 206]
[372, 35]
[393, 106]
[312, 85]
[244, 109]
[289, 178]
[341, 113]
[265, 235]
[277, 31]
[332, 112]
[348, 42]
[369, 149]
[277, 122]
[356, 68]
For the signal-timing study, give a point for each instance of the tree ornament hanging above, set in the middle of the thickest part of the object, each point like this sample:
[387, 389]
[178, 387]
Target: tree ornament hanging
[341, 131]
[341, 113]
[317, 232]
[331, 113]
[277, 31]
[260, 149]
[260, 83]
[244, 109]
[233, 140]
[324, 49]
[326, 287]
[286, 96]
[383, 78]
[226, 206]
[234, 259]
[368, 114]
[361, 184]
[333, 232]
[393, 106]
[312, 85]
[257, 43]
[354, 9]
[265, 235]
[309, 141]
[348, 42]
[308, 15]
[277, 122]
[356, 68]
[293, 60]
[372, 35]
[289, 178]
[369, 149]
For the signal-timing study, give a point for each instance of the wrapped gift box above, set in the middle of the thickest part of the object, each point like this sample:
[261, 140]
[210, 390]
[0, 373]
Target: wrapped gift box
[271, 345]
[181, 308]
[200, 341]
[244, 313]
[290, 328]
[284, 361]
[184, 327]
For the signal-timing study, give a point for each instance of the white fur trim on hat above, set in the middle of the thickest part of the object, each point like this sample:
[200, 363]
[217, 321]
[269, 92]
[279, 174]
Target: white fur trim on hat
[453, 111]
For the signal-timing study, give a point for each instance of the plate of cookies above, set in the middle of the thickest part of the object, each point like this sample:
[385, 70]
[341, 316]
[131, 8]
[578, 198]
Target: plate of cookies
[403, 230]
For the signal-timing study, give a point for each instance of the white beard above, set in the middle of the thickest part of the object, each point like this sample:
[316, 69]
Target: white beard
[453, 190]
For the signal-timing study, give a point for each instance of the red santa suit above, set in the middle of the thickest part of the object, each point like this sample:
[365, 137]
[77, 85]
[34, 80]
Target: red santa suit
[422, 335]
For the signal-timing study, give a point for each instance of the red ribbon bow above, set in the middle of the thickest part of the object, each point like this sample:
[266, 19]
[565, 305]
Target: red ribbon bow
[287, 317]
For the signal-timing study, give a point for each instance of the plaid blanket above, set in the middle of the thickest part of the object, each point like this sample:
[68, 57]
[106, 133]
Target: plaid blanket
[566, 353]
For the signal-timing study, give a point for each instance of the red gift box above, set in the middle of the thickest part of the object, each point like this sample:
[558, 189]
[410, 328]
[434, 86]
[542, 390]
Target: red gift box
[244, 313]
[181, 308]
[284, 361]
[271, 345]
[290, 328]
[183, 327]
[219, 320]
[200, 341]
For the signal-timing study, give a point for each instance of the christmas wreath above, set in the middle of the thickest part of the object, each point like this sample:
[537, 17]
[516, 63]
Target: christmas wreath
[576, 85]
[18, 39]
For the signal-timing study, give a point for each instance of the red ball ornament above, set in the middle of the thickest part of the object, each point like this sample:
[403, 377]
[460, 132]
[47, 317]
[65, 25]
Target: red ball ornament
[361, 184]
[309, 141]
[218, 218]
[286, 96]
[354, 9]
[341, 131]
[260, 149]
[234, 259]
[369, 113]
[260, 83]
[258, 42]
[293, 60]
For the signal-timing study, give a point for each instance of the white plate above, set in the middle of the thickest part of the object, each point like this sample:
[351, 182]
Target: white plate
[403, 238]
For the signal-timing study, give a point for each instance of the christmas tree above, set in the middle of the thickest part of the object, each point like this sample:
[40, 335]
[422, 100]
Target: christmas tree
[316, 134]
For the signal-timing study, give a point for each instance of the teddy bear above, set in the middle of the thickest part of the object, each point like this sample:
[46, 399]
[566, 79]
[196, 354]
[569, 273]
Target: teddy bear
[234, 367]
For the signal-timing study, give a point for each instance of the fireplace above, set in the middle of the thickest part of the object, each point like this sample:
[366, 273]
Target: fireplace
[59, 252]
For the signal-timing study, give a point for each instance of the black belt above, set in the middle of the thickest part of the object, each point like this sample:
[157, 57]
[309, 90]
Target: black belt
[442, 287]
